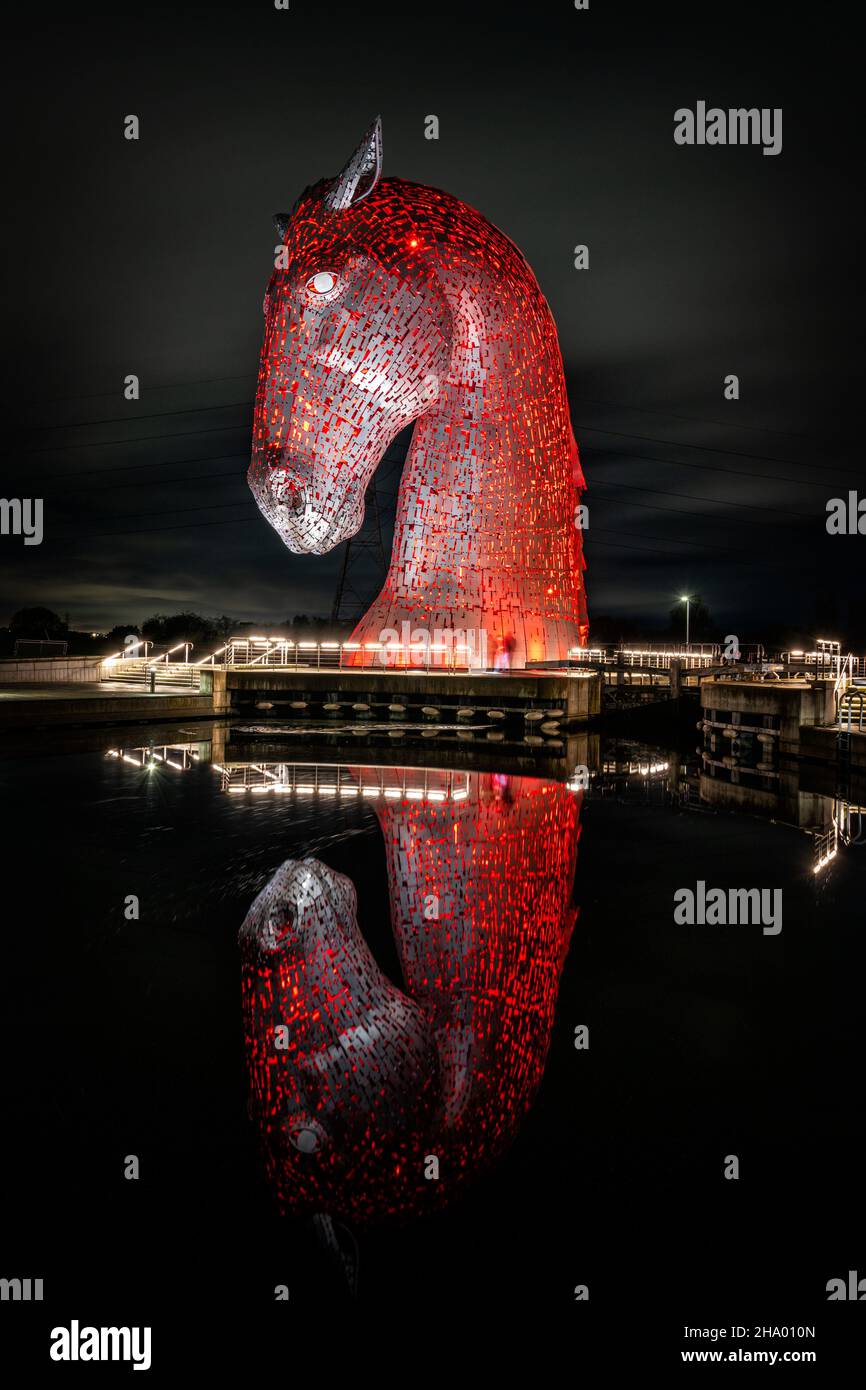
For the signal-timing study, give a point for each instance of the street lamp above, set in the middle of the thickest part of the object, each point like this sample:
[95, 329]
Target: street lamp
[686, 599]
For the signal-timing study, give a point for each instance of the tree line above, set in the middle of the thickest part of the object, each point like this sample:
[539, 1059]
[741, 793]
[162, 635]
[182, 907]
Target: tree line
[162, 629]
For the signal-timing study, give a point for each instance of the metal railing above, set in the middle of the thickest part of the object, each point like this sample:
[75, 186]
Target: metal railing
[185, 646]
[849, 821]
[338, 780]
[826, 847]
[696, 656]
[825, 662]
[139, 671]
[850, 698]
[180, 757]
[309, 655]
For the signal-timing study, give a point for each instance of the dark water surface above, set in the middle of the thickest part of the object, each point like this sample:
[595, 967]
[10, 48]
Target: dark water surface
[559, 1166]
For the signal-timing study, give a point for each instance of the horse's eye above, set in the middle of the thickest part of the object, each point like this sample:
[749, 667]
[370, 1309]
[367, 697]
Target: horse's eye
[324, 282]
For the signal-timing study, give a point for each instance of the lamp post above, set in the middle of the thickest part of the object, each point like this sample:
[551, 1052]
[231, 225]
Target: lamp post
[686, 599]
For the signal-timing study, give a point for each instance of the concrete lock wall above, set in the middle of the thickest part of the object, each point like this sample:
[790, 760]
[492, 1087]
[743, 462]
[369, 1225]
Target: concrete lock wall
[52, 669]
[793, 704]
[215, 684]
[580, 696]
[821, 744]
[785, 800]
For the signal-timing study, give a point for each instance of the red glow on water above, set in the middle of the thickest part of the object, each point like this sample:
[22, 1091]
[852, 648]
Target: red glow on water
[447, 1062]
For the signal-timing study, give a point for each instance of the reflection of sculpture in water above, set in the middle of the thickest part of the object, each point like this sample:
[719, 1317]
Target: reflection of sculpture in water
[358, 1085]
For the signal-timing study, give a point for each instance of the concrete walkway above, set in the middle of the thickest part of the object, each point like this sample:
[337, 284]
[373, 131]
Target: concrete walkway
[81, 690]
[102, 702]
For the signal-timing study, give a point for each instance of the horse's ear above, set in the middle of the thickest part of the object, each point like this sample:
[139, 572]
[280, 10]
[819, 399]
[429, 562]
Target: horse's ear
[282, 219]
[361, 173]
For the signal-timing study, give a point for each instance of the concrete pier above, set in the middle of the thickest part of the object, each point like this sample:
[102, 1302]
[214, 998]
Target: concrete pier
[569, 697]
[780, 708]
[565, 698]
[753, 730]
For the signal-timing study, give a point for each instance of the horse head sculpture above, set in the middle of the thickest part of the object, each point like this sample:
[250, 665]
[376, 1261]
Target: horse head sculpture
[392, 302]
[356, 1082]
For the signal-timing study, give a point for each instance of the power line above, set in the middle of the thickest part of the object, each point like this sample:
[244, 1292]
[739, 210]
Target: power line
[154, 530]
[163, 386]
[240, 478]
[239, 521]
[734, 472]
[592, 429]
[686, 511]
[695, 419]
[149, 415]
[178, 511]
[629, 454]
[619, 453]
[590, 400]
[649, 549]
[141, 439]
[668, 540]
[133, 467]
[706, 448]
[167, 482]
[219, 506]
[666, 492]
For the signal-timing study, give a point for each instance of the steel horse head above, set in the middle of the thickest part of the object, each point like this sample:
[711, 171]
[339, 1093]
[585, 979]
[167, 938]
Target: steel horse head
[392, 303]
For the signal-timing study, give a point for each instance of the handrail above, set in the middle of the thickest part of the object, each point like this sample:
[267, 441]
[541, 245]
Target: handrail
[264, 655]
[451, 655]
[843, 678]
[853, 694]
[212, 658]
[188, 646]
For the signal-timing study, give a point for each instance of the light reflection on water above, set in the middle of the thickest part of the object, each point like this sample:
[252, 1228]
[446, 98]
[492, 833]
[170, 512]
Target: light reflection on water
[410, 1038]
[364, 1082]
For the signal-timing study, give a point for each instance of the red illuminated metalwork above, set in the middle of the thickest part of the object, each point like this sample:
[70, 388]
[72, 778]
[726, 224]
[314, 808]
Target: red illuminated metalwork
[356, 1082]
[391, 303]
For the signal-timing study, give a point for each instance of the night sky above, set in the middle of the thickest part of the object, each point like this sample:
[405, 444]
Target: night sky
[152, 257]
